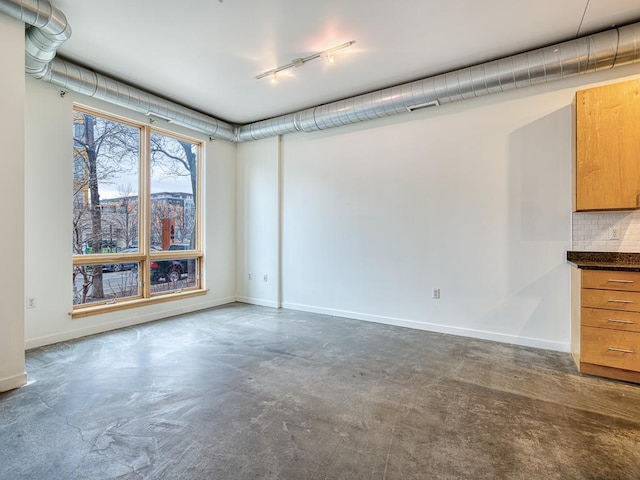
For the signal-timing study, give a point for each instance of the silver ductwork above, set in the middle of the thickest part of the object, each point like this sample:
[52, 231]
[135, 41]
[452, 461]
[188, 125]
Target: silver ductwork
[609, 49]
[49, 29]
[69, 76]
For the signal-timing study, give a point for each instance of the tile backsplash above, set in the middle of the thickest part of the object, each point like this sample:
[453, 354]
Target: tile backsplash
[591, 231]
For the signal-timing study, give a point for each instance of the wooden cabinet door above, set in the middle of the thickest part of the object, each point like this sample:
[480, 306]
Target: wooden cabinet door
[608, 147]
[611, 348]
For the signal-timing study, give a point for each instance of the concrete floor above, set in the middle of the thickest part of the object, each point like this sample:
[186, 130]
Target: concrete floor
[244, 392]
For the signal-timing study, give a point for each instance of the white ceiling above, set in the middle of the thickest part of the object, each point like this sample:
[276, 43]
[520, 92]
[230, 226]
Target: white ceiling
[205, 54]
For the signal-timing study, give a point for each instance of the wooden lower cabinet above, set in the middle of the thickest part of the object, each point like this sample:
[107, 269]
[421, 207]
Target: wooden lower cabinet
[606, 319]
[611, 348]
[611, 300]
[610, 280]
[616, 320]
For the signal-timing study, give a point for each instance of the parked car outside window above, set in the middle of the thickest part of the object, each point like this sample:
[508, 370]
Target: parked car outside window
[170, 270]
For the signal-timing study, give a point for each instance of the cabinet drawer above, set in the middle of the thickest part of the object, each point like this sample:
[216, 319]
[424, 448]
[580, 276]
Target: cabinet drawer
[610, 299]
[611, 348]
[611, 280]
[598, 317]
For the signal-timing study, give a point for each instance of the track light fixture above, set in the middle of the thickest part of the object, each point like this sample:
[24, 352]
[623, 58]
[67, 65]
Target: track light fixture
[298, 62]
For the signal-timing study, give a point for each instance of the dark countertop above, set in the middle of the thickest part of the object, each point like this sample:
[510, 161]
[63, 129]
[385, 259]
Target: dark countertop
[605, 261]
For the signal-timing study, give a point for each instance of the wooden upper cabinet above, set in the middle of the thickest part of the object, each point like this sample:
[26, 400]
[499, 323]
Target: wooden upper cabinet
[608, 147]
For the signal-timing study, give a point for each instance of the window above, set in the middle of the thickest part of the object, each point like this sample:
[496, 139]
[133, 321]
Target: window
[136, 214]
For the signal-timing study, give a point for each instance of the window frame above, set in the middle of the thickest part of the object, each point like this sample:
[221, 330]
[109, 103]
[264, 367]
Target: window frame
[145, 255]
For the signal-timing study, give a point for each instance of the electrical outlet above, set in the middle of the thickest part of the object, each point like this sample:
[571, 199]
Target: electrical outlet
[436, 293]
[265, 278]
[614, 233]
[249, 276]
[31, 302]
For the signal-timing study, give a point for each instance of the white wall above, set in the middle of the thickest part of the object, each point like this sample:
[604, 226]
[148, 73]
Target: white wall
[258, 233]
[12, 299]
[48, 222]
[473, 198]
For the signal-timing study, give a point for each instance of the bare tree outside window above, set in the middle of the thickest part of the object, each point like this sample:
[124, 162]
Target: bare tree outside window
[104, 152]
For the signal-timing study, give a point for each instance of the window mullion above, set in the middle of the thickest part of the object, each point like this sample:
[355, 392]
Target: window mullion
[145, 222]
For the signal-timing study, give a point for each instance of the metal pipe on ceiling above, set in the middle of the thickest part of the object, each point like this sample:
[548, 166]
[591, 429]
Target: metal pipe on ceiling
[600, 51]
[72, 77]
[49, 29]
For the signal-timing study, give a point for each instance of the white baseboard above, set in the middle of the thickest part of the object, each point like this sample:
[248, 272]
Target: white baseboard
[258, 301]
[15, 381]
[177, 310]
[434, 327]
[134, 319]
